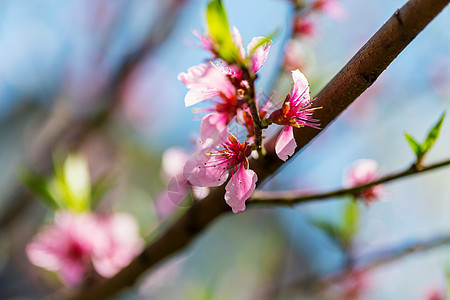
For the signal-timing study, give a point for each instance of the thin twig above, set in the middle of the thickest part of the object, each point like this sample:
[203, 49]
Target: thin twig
[255, 114]
[292, 197]
[359, 73]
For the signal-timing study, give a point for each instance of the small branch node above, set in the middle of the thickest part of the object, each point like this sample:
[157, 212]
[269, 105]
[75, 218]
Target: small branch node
[398, 17]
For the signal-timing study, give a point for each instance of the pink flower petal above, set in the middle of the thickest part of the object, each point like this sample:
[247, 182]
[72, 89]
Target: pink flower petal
[285, 144]
[240, 188]
[173, 161]
[237, 39]
[205, 82]
[169, 200]
[72, 272]
[213, 129]
[206, 41]
[206, 170]
[300, 89]
[195, 96]
[123, 245]
[259, 55]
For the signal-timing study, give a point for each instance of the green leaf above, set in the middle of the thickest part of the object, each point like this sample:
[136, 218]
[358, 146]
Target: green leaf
[40, 187]
[432, 135]
[329, 229]
[415, 146]
[350, 221]
[99, 189]
[219, 30]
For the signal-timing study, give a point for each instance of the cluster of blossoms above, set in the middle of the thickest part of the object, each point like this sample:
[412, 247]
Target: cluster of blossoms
[76, 243]
[229, 87]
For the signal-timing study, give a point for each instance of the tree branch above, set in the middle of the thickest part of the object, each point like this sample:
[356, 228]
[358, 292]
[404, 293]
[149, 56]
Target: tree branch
[292, 197]
[359, 73]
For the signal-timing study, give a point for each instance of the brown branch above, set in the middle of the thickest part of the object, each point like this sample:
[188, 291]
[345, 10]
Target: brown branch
[359, 73]
[292, 197]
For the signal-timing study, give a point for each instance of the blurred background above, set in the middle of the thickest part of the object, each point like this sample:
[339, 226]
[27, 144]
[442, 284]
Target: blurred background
[99, 78]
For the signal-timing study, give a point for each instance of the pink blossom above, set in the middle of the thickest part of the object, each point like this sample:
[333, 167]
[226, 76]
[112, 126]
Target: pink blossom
[295, 112]
[330, 7]
[361, 172]
[67, 246]
[75, 242]
[210, 168]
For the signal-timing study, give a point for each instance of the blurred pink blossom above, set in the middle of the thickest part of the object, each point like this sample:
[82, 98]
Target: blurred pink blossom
[355, 283]
[304, 27]
[168, 200]
[122, 244]
[436, 294]
[75, 242]
[294, 55]
[361, 172]
[332, 8]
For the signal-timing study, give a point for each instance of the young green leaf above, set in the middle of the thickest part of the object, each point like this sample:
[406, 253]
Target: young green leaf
[41, 188]
[99, 189]
[415, 146]
[433, 135]
[72, 183]
[329, 229]
[219, 30]
[350, 220]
